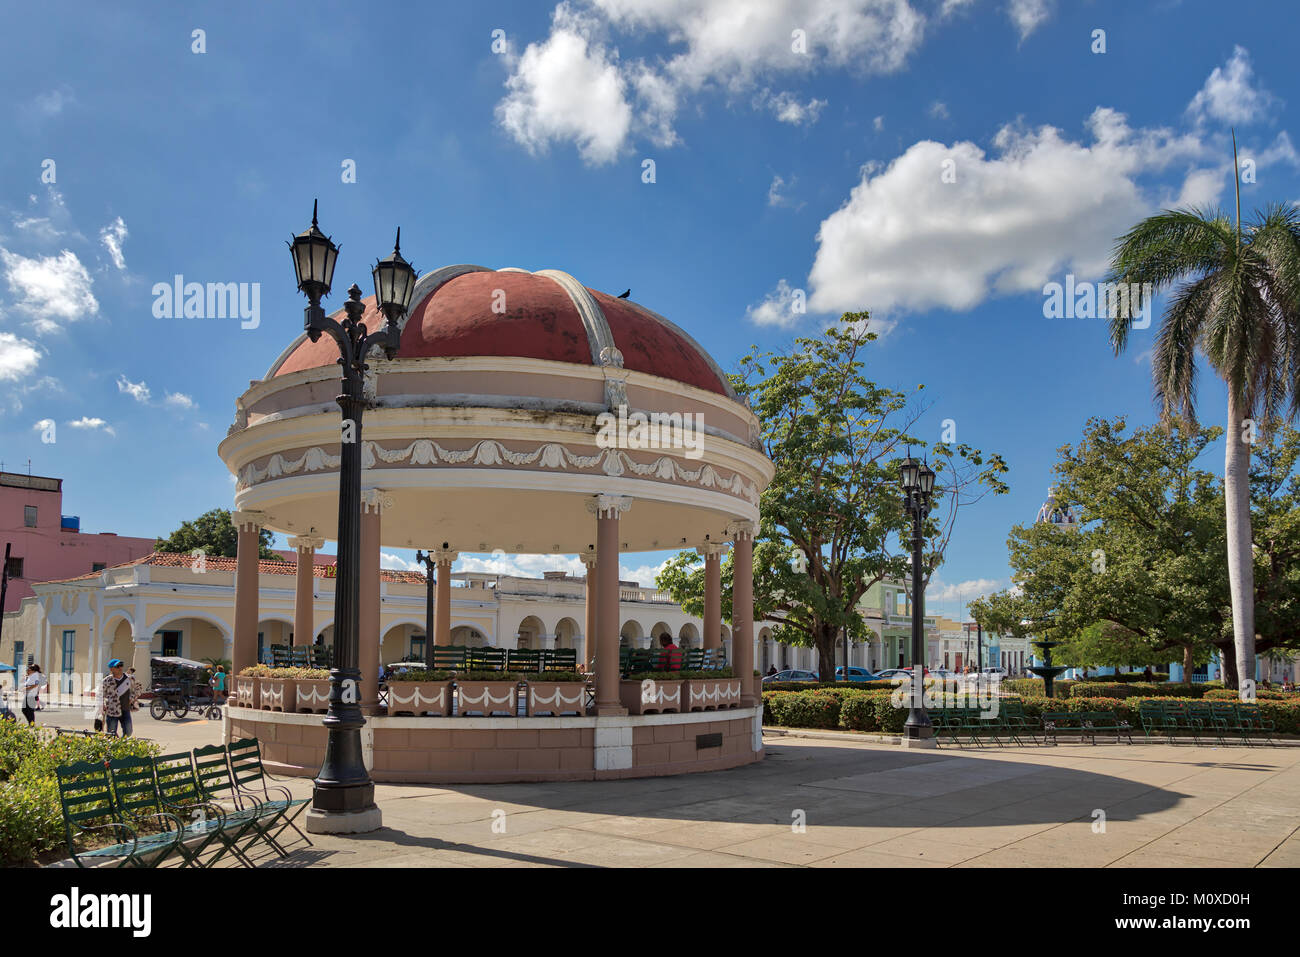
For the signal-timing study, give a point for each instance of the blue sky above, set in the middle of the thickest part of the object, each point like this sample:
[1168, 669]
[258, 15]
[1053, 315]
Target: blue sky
[776, 170]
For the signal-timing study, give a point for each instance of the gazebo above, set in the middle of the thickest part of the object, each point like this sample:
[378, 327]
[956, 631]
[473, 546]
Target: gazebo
[523, 411]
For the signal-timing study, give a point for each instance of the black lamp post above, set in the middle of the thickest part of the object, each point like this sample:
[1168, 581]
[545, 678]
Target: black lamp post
[343, 799]
[427, 560]
[917, 481]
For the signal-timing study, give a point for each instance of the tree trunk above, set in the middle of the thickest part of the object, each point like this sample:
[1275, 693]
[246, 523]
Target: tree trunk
[825, 645]
[1188, 666]
[1229, 665]
[1241, 566]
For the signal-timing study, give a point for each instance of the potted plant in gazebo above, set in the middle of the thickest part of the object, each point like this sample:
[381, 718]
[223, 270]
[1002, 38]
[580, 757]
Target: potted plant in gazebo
[419, 691]
[277, 689]
[488, 692]
[312, 690]
[710, 690]
[556, 693]
[244, 686]
[651, 692]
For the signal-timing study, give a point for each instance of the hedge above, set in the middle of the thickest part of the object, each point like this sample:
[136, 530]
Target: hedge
[31, 819]
[1135, 689]
[1127, 676]
[875, 711]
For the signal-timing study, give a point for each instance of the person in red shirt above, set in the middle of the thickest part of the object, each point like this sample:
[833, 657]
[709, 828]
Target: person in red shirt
[674, 656]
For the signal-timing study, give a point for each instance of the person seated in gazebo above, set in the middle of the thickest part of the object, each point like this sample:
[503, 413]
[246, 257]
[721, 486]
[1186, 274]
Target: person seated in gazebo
[674, 653]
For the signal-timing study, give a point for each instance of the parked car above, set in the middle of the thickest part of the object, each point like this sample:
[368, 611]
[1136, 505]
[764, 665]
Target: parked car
[891, 673]
[791, 674]
[855, 674]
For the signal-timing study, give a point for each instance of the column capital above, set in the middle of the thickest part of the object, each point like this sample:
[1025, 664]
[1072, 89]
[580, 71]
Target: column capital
[588, 559]
[445, 556]
[374, 501]
[741, 528]
[307, 543]
[609, 506]
[248, 520]
[711, 549]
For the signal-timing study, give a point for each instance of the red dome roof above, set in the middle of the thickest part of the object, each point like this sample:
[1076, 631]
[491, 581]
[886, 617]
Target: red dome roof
[479, 312]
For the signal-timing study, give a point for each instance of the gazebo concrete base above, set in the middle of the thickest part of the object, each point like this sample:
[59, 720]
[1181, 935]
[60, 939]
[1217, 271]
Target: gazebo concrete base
[473, 750]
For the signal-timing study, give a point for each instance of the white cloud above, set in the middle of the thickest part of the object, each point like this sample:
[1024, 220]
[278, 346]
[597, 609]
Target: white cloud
[51, 287]
[112, 236]
[136, 390]
[1042, 205]
[777, 308]
[643, 575]
[785, 106]
[573, 86]
[1229, 95]
[568, 88]
[878, 123]
[525, 566]
[53, 102]
[774, 195]
[1029, 15]
[179, 400]
[389, 561]
[92, 424]
[42, 425]
[47, 220]
[961, 591]
[18, 358]
[939, 110]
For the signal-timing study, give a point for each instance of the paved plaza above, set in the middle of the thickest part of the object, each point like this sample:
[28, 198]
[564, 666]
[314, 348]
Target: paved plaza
[861, 804]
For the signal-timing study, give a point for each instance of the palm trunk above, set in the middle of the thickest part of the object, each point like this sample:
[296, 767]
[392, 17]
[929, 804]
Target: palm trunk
[1241, 564]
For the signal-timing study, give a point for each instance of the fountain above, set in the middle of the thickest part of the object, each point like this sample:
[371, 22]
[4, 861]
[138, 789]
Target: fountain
[1047, 671]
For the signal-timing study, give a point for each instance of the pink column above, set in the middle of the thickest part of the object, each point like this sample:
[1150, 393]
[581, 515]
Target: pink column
[445, 557]
[589, 637]
[607, 509]
[742, 609]
[304, 601]
[372, 506]
[244, 649]
[712, 594]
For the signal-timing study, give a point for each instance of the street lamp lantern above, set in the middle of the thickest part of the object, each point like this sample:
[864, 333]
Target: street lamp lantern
[909, 474]
[926, 478]
[394, 282]
[314, 255]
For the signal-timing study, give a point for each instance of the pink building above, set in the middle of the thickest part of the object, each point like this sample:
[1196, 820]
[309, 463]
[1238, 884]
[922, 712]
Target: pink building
[45, 544]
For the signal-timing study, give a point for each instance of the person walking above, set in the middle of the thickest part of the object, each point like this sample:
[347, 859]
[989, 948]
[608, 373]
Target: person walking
[32, 685]
[219, 685]
[119, 692]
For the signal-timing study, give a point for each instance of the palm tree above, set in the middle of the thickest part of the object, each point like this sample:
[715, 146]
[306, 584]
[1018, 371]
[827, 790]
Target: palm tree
[1238, 303]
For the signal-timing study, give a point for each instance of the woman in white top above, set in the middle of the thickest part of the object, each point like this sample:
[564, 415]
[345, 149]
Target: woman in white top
[32, 686]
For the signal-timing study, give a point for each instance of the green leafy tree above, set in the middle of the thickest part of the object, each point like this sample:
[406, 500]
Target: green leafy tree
[213, 532]
[832, 522]
[1142, 579]
[1237, 303]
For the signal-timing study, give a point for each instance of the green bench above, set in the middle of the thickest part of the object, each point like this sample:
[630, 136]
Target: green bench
[89, 810]
[180, 794]
[1169, 717]
[523, 660]
[1084, 724]
[485, 659]
[218, 781]
[559, 659]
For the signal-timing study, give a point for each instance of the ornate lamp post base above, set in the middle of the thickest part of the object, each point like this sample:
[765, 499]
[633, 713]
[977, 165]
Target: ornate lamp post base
[344, 822]
[919, 736]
